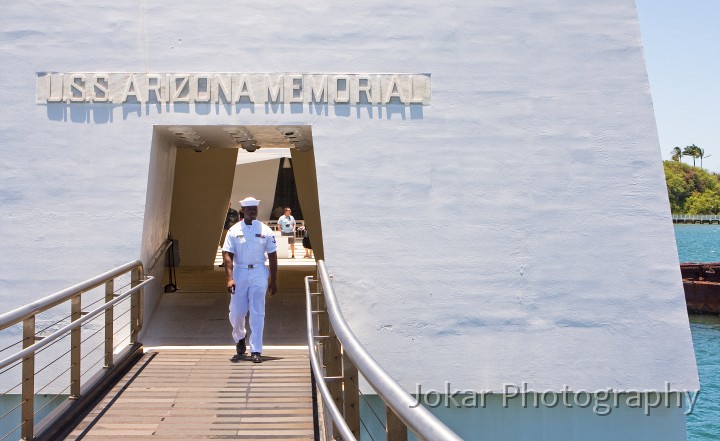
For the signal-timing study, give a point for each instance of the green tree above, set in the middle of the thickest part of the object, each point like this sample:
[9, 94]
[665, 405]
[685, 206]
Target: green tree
[702, 155]
[692, 151]
[685, 181]
[677, 154]
[703, 203]
[679, 188]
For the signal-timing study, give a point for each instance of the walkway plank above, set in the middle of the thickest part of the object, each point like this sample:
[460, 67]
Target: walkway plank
[178, 394]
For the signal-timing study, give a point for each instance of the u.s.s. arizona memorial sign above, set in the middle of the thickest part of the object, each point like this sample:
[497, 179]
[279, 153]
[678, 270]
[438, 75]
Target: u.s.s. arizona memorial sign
[251, 88]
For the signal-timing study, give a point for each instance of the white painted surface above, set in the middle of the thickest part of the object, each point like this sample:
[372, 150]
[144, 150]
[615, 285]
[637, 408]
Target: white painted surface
[540, 145]
[510, 420]
[283, 246]
[201, 191]
[158, 205]
[245, 157]
[257, 179]
[214, 87]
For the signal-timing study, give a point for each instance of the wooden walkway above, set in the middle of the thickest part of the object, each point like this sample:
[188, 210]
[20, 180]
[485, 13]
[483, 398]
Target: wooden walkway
[178, 394]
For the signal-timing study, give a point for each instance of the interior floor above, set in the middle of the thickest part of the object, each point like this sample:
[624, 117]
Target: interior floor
[197, 313]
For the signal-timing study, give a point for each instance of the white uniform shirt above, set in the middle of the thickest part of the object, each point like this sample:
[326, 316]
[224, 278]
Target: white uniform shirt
[249, 243]
[287, 223]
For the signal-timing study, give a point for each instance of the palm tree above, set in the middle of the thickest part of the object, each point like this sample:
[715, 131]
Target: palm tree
[677, 154]
[693, 151]
[702, 154]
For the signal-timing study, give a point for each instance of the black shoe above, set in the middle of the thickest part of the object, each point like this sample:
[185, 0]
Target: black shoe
[256, 357]
[240, 346]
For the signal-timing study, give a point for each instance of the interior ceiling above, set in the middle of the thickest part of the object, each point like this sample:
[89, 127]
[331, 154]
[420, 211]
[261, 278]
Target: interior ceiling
[250, 138]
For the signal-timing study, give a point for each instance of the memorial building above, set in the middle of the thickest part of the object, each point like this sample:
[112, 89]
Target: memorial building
[483, 180]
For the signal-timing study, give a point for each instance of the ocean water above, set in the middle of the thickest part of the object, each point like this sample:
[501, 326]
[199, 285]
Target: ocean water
[698, 243]
[701, 243]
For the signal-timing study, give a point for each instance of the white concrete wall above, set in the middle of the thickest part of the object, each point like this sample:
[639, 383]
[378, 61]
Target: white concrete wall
[156, 225]
[203, 182]
[516, 230]
[493, 418]
[256, 179]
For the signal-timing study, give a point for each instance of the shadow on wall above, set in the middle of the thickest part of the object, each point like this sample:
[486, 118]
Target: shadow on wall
[106, 113]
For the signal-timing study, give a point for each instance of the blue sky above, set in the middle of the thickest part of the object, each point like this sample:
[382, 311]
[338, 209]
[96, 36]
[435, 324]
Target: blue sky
[682, 51]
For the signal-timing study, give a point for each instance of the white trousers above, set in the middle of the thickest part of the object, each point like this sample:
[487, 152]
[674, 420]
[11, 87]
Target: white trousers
[250, 289]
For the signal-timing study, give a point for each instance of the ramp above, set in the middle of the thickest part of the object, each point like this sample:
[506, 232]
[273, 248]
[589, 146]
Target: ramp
[183, 394]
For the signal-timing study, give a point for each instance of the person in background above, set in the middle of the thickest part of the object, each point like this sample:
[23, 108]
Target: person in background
[306, 243]
[277, 212]
[287, 228]
[244, 251]
[231, 218]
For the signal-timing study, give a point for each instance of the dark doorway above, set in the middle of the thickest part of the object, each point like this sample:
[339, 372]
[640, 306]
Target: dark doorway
[286, 191]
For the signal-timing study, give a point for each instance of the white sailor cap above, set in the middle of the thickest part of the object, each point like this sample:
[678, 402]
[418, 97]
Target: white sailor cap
[249, 202]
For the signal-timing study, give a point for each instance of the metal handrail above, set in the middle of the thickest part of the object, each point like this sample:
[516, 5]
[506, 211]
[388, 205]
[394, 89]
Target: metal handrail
[75, 324]
[17, 315]
[158, 254]
[335, 413]
[26, 315]
[694, 217]
[425, 425]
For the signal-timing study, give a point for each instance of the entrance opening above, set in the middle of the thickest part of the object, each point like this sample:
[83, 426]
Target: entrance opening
[195, 171]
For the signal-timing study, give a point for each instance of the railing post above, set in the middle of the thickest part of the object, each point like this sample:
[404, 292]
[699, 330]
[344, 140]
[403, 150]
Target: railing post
[27, 410]
[394, 427]
[322, 323]
[135, 306]
[333, 368]
[109, 319]
[321, 319]
[75, 343]
[332, 355]
[352, 395]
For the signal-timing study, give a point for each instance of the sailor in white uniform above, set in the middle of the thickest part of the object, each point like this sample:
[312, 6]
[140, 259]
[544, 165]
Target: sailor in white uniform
[244, 251]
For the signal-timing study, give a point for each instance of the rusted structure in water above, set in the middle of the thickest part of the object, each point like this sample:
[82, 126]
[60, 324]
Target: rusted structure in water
[702, 287]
